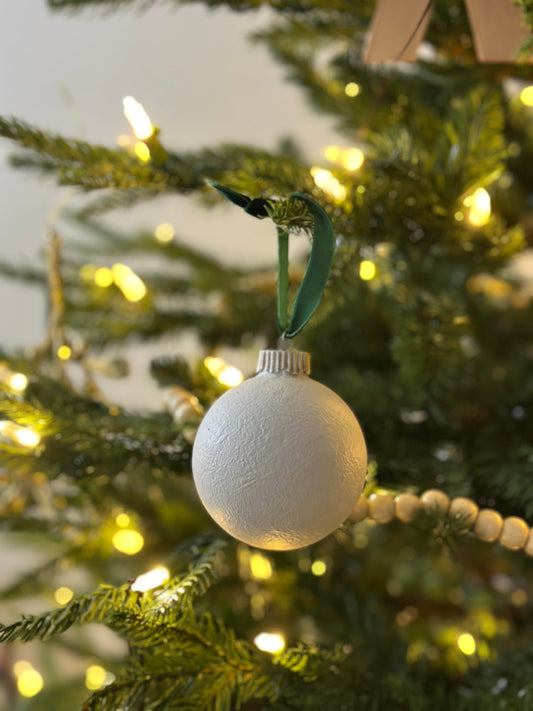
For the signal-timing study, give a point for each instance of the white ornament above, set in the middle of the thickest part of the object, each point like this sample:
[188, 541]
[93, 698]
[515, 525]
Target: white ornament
[280, 460]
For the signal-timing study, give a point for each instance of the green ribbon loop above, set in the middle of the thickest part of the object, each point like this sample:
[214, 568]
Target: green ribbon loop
[316, 274]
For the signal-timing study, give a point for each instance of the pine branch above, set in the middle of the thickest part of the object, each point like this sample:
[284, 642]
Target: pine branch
[107, 604]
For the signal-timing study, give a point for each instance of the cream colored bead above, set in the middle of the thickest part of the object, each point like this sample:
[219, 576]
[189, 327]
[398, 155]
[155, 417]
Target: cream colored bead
[381, 508]
[488, 525]
[515, 533]
[360, 510]
[182, 404]
[189, 433]
[528, 548]
[435, 501]
[464, 510]
[406, 507]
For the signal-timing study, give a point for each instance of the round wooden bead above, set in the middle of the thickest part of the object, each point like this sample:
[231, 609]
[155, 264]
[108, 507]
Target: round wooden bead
[465, 510]
[381, 508]
[406, 507]
[435, 501]
[515, 533]
[488, 525]
[360, 510]
[528, 548]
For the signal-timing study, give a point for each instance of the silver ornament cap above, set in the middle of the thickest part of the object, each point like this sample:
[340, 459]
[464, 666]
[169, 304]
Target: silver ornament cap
[280, 460]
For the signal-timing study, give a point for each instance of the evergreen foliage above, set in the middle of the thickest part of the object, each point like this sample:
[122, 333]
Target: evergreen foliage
[432, 348]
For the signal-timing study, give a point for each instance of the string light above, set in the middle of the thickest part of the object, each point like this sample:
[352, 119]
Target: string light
[326, 181]
[96, 677]
[225, 374]
[480, 207]
[123, 520]
[128, 541]
[25, 436]
[352, 158]
[318, 568]
[260, 566]
[367, 270]
[142, 151]
[150, 580]
[164, 232]
[103, 277]
[332, 153]
[271, 642]
[64, 352]
[352, 89]
[29, 682]
[131, 285]
[526, 96]
[138, 118]
[63, 595]
[466, 644]
[13, 380]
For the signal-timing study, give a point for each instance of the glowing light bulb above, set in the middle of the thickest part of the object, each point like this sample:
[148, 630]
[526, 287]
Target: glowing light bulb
[230, 376]
[480, 207]
[260, 566]
[17, 381]
[467, 644]
[326, 181]
[367, 270]
[103, 277]
[352, 89]
[63, 595]
[64, 352]
[150, 580]
[21, 666]
[353, 158]
[123, 520]
[29, 683]
[128, 282]
[318, 568]
[164, 232]
[25, 436]
[142, 151]
[271, 642]
[128, 541]
[526, 96]
[95, 677]
[133, 288]
[138, 118]
[332, 153]
[226, 374]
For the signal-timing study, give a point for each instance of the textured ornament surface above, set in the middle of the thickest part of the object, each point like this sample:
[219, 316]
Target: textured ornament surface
[279, 461]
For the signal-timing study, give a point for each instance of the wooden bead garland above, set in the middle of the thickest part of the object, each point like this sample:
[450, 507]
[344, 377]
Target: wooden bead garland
[486, 524]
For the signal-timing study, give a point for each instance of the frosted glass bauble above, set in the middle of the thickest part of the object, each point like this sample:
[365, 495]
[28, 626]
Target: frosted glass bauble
[280, 460]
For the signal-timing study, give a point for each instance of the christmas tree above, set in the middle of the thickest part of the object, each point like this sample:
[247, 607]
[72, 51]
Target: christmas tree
[422, 599]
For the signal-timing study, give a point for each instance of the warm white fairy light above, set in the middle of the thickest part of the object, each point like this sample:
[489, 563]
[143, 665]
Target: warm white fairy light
[13, 380]
[96, 677]
[164, 232]
[25, 436]
[466, 644]
[352, 158]
[142, 151]
[260, 566]
[29, 682]
[526, 96]
[63, 595]
[128, 541]
[326, 181]
[367, 270]
[479, 205]
[226, 374]
[271, 642]
[150, 580]
[131, 285]
[352, 89]
[138, 118]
